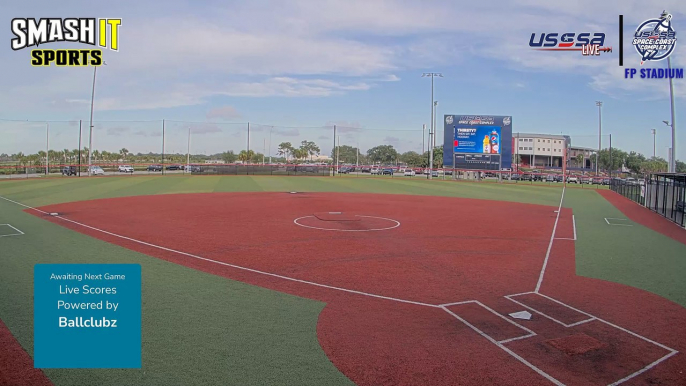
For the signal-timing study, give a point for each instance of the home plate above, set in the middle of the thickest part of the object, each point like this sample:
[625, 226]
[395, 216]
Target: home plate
[521, 315]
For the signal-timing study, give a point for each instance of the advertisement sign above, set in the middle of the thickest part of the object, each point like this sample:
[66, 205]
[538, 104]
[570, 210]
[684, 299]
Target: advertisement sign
[469, 135]
[477, 139]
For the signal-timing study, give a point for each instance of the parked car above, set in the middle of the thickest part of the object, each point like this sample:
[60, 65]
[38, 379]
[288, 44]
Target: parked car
[193, 169]
[572, 179]
[409, 173]
[388, 171]
[375, 171]
[526, 177]
[97, 171]
[69, 171]
[550, 178]
[538, 177]
[448, 172]
[366, 169]
[125, 169]
[631, 181]
[606, 181]
[344, 170]
[515, 177]
[584, 180]
[155, 168]
[434, 173]
[559, 178]
[174, 167]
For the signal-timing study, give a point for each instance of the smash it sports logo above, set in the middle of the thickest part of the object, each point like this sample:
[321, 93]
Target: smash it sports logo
[590, 44]
[30, 32]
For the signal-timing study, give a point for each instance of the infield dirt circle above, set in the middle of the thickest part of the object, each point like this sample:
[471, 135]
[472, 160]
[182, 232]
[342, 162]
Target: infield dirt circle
[426, 298]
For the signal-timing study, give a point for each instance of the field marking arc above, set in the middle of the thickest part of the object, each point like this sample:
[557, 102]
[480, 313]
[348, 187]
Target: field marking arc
[397, 224]
[441, 306]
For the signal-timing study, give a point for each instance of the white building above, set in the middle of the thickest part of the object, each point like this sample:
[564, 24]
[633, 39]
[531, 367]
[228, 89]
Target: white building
[539, 150]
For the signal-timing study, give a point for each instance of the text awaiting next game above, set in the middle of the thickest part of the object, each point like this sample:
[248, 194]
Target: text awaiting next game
[30, 32]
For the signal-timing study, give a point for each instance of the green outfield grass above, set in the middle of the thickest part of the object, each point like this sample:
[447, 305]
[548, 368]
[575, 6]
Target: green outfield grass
[255, 336]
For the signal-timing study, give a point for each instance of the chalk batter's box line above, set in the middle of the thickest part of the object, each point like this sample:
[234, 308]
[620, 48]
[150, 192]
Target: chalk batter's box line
[591, 317]
[607, 220]
[529, 335]
[12, 234]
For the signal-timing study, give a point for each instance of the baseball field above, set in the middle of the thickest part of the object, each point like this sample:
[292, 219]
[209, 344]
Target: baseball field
[270, 280]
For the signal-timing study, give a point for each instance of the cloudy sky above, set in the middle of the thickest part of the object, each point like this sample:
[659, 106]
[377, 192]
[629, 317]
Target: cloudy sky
[295, 68]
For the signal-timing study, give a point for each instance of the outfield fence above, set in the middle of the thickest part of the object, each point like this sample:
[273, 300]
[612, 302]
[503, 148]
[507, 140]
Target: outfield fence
[663, 193]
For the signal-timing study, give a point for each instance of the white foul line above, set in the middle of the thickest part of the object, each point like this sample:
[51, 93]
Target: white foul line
[550, 245]
[574, 225]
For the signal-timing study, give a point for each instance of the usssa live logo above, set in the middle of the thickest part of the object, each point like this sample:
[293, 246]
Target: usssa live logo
[101, 33]
[587, 43]
[655, 40]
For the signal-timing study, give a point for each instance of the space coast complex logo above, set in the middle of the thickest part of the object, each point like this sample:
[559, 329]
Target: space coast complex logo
[98, 33]
[655, 40]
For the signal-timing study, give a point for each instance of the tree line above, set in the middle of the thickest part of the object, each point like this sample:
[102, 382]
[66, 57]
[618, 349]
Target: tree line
[286, 152]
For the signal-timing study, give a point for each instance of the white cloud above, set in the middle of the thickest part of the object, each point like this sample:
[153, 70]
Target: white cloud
[224, 112]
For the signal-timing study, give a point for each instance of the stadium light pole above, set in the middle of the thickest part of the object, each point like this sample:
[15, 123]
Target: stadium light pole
[270, 144]
[435, 126]
[90, 136]
[432, 75]
[188, 151]
[654, 132]
[672, 164]
[600, 133]
[423, 138]
[47, 146]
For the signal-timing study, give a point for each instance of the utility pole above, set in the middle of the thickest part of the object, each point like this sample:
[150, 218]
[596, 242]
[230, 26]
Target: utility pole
[600, 132]
[188, 152]
[334, 152]
[435, 127]
[248, 151]
[672, 163]
[432, 131]
[423, 138]
[270, 144]
[654, 131]
[163, 147]
[90, 137]
[47, 147]
[79, 148]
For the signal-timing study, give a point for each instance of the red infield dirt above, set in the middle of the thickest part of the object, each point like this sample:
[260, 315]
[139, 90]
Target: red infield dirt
[422, 299]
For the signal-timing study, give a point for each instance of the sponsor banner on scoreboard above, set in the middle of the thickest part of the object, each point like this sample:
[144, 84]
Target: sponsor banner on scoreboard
[477, 139]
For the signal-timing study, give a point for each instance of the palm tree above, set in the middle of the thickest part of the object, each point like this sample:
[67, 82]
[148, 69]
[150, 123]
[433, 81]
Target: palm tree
[124, 152]
[246, 156]
[285, 148]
